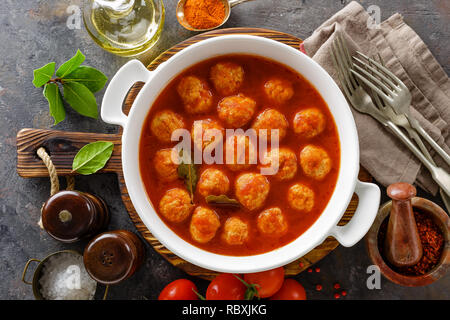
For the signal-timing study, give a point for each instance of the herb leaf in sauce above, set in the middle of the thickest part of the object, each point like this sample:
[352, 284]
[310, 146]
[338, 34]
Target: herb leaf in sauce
[92, 157]
[222, 201]
[187, 171]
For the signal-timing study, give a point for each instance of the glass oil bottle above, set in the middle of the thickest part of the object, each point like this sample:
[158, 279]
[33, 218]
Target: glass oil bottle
[124, 27]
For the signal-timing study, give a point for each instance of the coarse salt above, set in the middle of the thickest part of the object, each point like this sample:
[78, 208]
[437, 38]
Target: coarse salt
[64, 277]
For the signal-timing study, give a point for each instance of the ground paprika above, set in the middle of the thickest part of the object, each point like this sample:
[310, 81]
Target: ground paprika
[204, 14]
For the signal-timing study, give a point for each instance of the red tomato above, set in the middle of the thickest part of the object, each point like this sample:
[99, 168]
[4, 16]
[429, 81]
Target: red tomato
[267, 282]
[290, 290]
[226, 287]
[181, 289]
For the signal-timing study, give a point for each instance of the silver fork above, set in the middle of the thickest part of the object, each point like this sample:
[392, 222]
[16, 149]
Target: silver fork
[394, 93]
[361, 101]
[401, 120]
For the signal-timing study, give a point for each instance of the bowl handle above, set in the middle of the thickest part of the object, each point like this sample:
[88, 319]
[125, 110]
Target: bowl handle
[26, 269]
[368, 203]
[117, 91]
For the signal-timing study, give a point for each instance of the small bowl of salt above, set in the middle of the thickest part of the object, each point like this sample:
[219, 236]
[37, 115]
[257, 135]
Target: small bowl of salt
[61, 276]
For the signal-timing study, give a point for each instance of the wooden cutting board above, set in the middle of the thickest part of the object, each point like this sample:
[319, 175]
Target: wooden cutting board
[62, 147]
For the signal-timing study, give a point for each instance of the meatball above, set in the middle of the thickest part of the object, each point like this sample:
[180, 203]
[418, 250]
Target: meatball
[315, 162]
[271, 119]
[235, 231]
[286, 166]
[236, 111]
[252, 190]
[227, 77]
[240, 153]
[309, 122]
[204, 224]
[164, 123]
[213, 182]
[165, 168]
[196, 95]
[204, 133]
[272, 222]
[278, 90]
[300, 197]
[176, 205]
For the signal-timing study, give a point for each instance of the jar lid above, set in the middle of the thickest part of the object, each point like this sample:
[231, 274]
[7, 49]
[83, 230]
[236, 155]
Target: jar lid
[68, 216]
[113, 256]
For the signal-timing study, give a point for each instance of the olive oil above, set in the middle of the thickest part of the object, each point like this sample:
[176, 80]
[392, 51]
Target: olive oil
[124, 27]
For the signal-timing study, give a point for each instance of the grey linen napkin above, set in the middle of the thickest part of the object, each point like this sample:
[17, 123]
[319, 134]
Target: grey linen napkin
[405, 54]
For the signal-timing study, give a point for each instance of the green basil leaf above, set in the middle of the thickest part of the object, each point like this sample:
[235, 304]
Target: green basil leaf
[70, 65]
[55, 102]
[92, 157]
[222, 201]
[43, 75]
[90, 77]
[81, 99]
[187, 170]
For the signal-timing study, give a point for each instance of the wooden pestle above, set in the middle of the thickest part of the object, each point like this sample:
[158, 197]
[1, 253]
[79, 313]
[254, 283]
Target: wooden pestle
[402, 244]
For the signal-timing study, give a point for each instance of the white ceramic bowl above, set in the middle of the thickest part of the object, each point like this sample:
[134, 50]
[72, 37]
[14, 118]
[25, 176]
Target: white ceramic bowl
[326, 224]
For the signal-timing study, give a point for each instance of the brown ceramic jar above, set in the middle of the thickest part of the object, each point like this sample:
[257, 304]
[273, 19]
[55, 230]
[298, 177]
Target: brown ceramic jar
[69, 216]
[113, 256]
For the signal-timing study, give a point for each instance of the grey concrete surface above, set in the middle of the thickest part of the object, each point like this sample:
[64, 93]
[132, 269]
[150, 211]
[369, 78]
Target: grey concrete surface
[34, 32]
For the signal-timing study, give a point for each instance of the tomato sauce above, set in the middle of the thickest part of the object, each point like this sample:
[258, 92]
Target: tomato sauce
[257, 71]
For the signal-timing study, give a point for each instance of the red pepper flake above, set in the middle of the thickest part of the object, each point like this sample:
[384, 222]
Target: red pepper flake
[317, 269]
[432, 240]
[318, 287]
[344, 293]
[337, 286]
[337, 295]
[300, 264]
[310, 270]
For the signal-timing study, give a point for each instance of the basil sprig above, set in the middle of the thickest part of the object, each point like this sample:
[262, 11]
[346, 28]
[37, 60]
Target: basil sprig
[79, 84]
[92, 157]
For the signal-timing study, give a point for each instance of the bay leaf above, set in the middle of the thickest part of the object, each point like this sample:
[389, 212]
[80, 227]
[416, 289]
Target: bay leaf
[55, 102]
[81, 99]
[70, 65]
[187, 171]
[92, 157]
[43, 75]
[90, 77]
[222, 201]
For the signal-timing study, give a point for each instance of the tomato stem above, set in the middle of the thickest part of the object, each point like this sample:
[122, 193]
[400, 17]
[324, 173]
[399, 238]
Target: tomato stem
[199, 295]
[251, 291]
